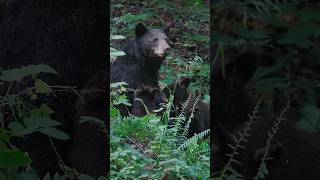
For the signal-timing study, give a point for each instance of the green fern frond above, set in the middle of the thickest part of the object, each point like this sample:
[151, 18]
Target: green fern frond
[194, 139]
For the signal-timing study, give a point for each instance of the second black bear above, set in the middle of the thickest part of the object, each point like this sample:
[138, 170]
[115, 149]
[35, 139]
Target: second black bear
[230, 102]
[201, 110]
[291, 154]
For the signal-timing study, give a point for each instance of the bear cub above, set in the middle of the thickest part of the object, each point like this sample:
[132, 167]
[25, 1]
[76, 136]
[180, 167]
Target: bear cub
[201, 110]
[146, 99]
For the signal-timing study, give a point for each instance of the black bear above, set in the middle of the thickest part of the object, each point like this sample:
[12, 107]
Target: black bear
[89, 148]
[230, 102]
[201, 110]
[69, 36]
[143, 59]
[292, 153]
[146, 100]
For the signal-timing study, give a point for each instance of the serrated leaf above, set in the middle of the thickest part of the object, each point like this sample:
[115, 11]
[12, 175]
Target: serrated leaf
[40, 122]
[55, 133]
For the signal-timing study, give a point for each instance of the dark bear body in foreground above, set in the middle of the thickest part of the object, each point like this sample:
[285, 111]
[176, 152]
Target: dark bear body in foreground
[293, 153]
[89, 149]
[201, 110]
[143, 59]
[69, 36]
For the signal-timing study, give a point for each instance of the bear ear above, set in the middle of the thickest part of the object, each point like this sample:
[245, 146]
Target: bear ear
[240, 71]
[184, 82]
[140, 30]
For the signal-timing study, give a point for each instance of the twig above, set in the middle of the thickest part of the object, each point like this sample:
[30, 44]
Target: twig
[141, 149]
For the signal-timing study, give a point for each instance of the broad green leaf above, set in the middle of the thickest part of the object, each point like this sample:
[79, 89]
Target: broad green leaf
[310, 118]
[13, 158]
[16, 126]
[55, 133]
[19, 129]
[114, 52]
[35, 113]
[46, 110]
[42, 87]
[121, 100]
[40, 122]
[18, 74]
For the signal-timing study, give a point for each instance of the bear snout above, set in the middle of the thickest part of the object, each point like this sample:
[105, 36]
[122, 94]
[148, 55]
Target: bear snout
[162, 52]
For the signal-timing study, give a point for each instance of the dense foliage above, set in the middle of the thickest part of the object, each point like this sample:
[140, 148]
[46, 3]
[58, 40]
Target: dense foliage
[145, 147]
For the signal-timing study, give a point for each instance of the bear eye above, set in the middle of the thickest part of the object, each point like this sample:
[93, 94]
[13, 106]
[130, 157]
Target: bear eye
[155, 40]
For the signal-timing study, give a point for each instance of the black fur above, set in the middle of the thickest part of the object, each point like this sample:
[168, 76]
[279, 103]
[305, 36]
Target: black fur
[293, 152]
[150, 97]
[143, 59]
[231, 103]
[201, 110]
[90, 150]
[70, 36]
